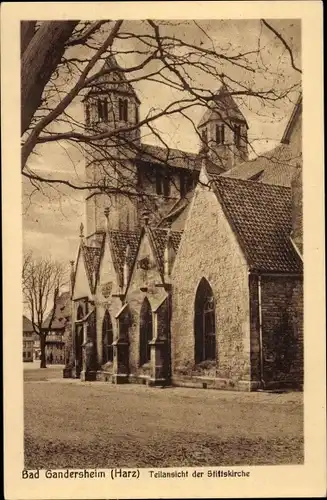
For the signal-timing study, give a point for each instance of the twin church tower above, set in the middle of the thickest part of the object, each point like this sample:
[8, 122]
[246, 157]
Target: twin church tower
[128, 178]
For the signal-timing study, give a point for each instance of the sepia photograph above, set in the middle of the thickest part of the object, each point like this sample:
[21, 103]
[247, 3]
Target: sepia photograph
[162, 268]
[162, 220]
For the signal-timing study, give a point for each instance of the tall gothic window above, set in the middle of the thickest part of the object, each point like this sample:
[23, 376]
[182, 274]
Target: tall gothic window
[107, 339]
[146, 331]
[204, 323]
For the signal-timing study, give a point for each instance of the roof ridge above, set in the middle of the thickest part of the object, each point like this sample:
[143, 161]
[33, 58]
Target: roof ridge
[170, 149]
[124, 231]
[260, 185]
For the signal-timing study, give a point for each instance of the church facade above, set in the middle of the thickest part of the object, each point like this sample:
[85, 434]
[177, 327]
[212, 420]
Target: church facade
[184, 275]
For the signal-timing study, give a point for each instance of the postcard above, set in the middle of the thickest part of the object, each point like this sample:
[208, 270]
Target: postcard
[164, 332]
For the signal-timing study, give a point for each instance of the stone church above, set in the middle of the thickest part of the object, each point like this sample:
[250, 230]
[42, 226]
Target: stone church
[189, 268]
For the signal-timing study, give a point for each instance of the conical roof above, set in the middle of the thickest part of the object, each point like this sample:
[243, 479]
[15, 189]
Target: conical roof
[121, 82]
[222, 107]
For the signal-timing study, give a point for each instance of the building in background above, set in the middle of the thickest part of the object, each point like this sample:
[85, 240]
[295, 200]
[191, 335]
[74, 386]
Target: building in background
[55, 352]
[28, 340]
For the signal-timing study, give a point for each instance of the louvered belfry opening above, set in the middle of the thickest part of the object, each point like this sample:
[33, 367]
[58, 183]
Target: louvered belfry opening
[204, 323]
[107, 339]
[146, 332]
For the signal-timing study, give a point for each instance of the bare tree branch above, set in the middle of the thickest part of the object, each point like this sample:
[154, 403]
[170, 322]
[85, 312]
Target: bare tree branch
[282, 39]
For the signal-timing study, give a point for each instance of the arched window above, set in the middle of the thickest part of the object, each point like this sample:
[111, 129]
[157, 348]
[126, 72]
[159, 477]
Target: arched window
[220, 134]
[218, 138]
[146, 331]
[123, 109]
[107, 339]
[204, 323]
[102, 110]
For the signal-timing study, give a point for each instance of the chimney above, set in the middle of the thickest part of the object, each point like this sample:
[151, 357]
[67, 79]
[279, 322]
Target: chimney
[297, 209]
[169, 255]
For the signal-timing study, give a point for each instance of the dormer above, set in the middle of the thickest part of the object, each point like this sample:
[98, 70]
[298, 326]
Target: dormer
[223, 131]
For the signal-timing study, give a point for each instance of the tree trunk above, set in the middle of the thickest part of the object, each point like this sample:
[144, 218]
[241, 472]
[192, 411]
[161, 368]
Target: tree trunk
[27, 31]
[39, 60]
[42, 347]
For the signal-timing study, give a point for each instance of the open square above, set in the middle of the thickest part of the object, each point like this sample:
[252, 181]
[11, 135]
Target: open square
[74, 424]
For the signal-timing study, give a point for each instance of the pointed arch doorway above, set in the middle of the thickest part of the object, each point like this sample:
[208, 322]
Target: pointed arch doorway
[107, 339]
[79, 341]
[204, 323]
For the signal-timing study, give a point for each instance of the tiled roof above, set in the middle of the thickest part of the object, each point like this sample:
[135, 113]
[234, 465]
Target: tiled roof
[121, 82]
[222, 107]
[260, 215]
[62, 312]
[174, 158]
[119, 240]
[92, 257]
[27, 325]
[277, 166]
[158, 238]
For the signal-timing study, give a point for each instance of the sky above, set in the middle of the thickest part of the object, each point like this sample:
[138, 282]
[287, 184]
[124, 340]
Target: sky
[52, 215]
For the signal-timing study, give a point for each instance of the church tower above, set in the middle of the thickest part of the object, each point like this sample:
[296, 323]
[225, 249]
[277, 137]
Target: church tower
[111, 105]
[223, 131]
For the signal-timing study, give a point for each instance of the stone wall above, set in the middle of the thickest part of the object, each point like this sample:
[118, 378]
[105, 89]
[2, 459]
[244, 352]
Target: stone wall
[105, 299]
[282, 329]
[226, 155]
[211, 250]
[135, 297]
